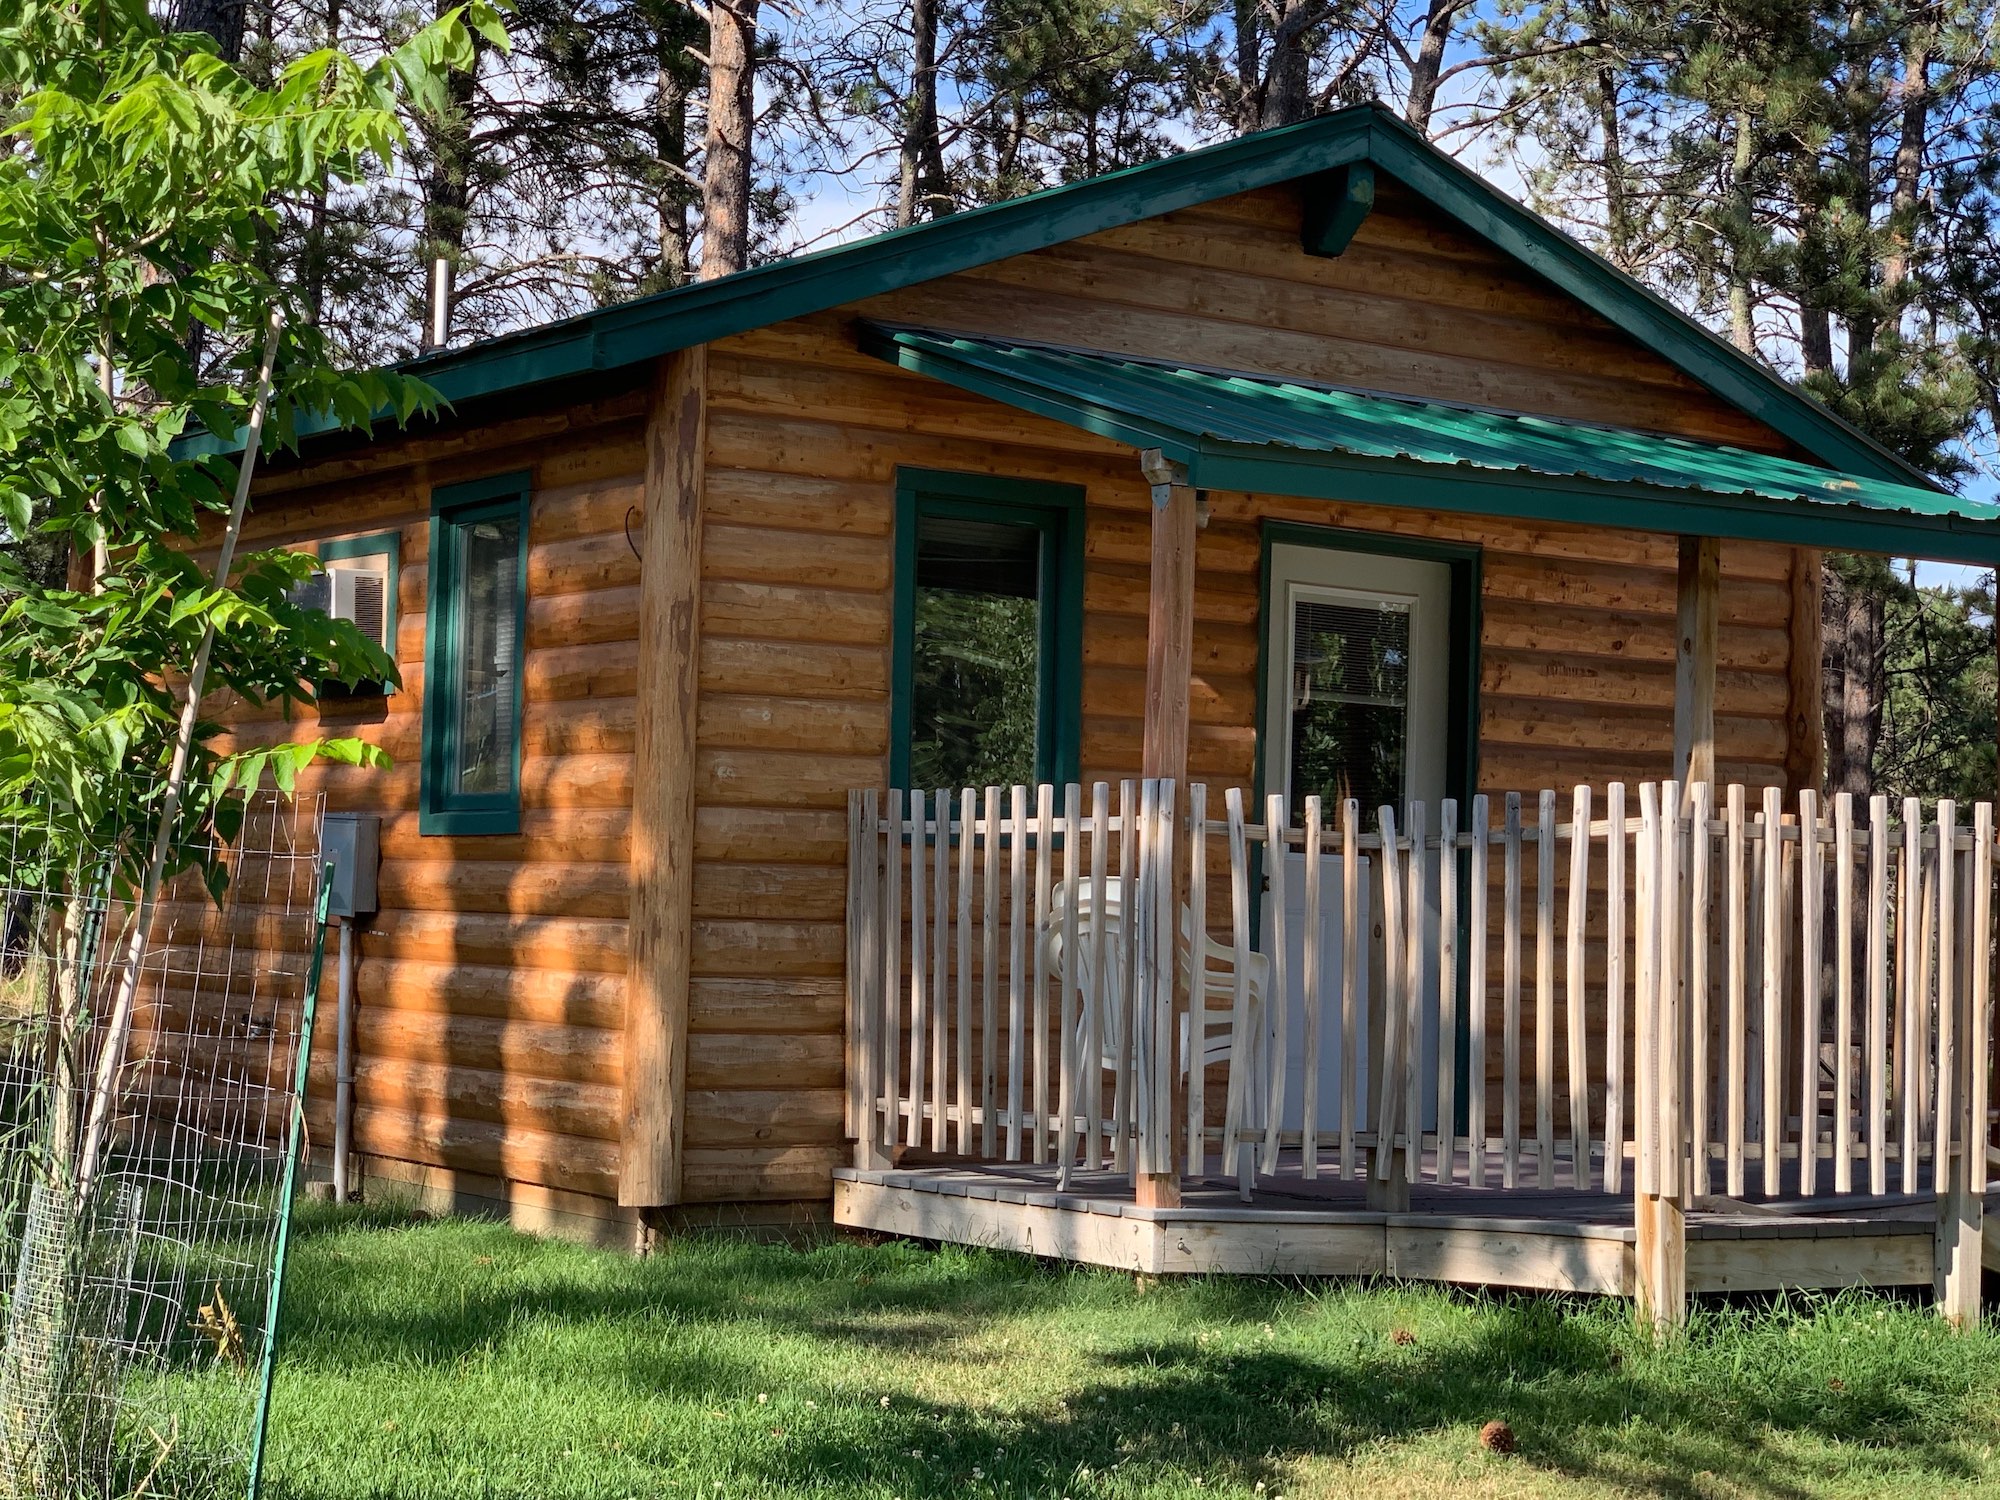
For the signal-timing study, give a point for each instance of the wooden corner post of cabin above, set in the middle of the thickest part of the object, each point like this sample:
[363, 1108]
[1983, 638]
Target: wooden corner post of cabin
[1169, 668]
[662, 850]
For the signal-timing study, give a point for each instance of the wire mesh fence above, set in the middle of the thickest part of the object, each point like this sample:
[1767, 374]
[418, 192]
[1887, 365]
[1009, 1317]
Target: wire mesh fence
[136, 1287]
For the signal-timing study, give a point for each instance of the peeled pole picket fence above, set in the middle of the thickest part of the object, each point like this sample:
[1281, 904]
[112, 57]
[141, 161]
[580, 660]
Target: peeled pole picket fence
[1687, 993]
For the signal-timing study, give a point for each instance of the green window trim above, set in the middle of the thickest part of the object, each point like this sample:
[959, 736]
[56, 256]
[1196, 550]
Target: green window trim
[376, 544]
[453, 507]
[1057, 510]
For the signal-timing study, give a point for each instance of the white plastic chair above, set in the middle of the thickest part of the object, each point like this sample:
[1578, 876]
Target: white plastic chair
[1218, 976]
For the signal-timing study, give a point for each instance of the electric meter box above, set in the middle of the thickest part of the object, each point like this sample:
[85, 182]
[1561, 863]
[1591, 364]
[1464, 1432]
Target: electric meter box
[352, 844]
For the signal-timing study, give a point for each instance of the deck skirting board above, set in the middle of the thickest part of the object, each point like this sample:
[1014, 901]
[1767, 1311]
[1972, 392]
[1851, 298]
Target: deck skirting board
[1772, 1264]
[1027, 1228]
[1726, 1253]
[1550, 1257]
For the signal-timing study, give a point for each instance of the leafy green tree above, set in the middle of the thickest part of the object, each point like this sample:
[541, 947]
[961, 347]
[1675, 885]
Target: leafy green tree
[134, 208]
[136, 211]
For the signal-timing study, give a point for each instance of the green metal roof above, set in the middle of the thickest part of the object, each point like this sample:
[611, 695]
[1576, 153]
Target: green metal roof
[635, 332]
[1239, 431]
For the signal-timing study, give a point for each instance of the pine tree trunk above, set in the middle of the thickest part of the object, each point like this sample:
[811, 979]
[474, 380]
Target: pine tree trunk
[732, 117]
[1860, 97]
[222, 19]
[313, 257]
[1287, 90]
[1742, 325]
[677, 74]
[1815, 340]
[921, 192]
[1249, 67]
[1424, 68]
[1617, 209]
[1907, 183]
[670, 206]
[1863, 687]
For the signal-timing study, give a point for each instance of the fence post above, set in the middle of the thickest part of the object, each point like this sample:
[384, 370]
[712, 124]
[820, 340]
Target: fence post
[864, 979]
[1388, 1189]
[1659, 1206]
[1961, 1048]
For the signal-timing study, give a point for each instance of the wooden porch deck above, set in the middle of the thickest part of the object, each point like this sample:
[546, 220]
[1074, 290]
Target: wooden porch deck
[1524, 1237]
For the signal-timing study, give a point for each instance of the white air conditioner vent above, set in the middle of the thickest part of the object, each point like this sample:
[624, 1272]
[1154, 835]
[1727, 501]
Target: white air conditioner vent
[355, 593]
[355, 589]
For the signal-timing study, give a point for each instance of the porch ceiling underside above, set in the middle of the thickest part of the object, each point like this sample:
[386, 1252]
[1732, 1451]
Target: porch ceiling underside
[1235, 431]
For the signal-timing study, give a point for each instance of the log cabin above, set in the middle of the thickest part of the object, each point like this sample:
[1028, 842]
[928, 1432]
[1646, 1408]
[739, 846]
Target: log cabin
[1297, 532]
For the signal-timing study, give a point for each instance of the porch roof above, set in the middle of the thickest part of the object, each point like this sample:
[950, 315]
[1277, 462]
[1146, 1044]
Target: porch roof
[1240, 431]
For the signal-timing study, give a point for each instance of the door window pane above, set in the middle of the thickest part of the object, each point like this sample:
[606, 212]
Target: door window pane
[976, 653]
[1350, 691]
[488, 606]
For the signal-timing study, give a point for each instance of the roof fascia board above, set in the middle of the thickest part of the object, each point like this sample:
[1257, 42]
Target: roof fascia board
[1633, 307]
[1585, 502]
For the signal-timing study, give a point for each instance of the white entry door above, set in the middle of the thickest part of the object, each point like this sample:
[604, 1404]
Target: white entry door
[1356, 705]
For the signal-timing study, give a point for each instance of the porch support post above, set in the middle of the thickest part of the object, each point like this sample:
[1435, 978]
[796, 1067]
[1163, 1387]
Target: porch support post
[1659, 1258]
[1694, 662]
[663, 763]
[1169, 664]
[1961, 1245]
[1169, 618]
[1805, 682]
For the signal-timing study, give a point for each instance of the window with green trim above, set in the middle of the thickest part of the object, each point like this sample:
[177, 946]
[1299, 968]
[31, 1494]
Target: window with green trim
[989, 631]
[359, 584]
[471, 779]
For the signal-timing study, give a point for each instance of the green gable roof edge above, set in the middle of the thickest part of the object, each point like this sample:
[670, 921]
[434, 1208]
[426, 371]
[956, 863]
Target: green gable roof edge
[700, 312]
[633, 332]
[1641, 312]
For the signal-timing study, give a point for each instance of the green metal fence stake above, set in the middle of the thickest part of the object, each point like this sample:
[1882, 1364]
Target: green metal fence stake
[293, 1148]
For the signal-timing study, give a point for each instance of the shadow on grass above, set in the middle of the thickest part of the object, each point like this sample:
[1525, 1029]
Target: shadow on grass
[1583, 1398]
[1243, 1420]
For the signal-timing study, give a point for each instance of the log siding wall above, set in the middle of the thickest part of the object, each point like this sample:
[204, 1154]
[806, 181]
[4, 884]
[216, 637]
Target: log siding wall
[492, 984]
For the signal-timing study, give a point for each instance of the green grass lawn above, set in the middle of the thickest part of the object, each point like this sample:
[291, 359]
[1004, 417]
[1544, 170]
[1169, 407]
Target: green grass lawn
[460, 1359]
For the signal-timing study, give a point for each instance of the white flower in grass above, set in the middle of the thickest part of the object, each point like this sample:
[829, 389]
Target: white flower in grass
[885, 1403]
[763, 1398]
